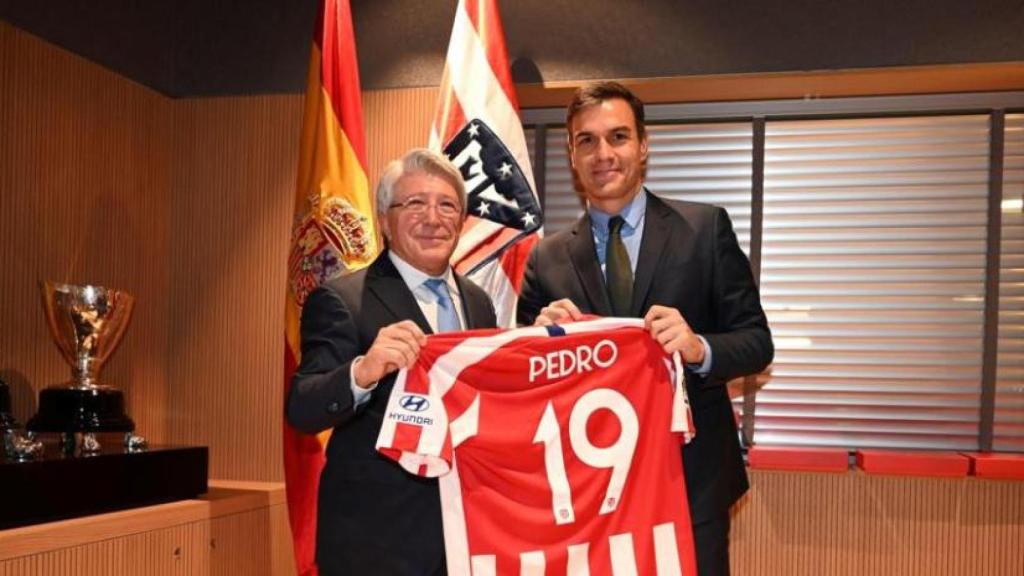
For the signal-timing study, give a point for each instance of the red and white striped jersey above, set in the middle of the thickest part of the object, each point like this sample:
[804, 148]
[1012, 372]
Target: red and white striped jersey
[557, 449]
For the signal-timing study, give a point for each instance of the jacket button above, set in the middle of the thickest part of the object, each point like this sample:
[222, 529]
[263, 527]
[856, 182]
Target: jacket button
[333, 407]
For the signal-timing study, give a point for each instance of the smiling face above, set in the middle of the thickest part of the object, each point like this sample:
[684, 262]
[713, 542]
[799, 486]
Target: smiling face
[425, 238]
[608, 154]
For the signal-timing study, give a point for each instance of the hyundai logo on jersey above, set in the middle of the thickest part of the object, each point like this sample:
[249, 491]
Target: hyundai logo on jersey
[414, 403]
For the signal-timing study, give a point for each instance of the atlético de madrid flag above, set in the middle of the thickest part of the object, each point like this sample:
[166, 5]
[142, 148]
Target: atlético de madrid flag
[477, 126]
[333, 231]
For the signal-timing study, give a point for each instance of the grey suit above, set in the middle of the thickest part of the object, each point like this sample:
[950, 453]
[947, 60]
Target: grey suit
[373, 517]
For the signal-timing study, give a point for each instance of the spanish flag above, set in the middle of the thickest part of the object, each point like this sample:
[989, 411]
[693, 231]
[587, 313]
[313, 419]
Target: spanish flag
[333, 231]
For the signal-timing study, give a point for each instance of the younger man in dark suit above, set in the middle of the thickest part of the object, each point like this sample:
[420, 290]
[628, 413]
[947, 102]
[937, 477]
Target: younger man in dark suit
[675, 264]
[357, 331]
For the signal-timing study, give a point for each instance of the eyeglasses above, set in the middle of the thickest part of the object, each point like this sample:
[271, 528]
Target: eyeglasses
[418, 206]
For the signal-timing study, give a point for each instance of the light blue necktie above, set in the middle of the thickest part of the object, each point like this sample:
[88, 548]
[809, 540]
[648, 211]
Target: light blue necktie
[447, 319]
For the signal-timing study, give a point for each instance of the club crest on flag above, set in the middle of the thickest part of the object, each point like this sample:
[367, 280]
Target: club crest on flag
[477, 125]
[321, 246]
[496, 188]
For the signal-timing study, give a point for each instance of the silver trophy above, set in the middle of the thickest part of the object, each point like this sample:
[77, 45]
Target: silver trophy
[87, 323]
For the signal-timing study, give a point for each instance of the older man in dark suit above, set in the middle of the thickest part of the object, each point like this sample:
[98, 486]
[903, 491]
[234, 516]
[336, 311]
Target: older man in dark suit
[357, 331]
[677, 265]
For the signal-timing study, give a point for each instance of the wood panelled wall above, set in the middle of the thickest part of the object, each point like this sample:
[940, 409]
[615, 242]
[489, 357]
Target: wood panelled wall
[249, 543]
[237, 528]
[85, 191]
[234, 172]
[187, 205]
[396, 120]
[853, 524]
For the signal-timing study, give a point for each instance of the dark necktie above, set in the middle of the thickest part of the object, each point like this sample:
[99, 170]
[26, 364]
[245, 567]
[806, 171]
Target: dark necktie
[618, 274]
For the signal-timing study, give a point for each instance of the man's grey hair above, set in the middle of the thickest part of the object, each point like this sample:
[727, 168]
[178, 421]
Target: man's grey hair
[418, 161]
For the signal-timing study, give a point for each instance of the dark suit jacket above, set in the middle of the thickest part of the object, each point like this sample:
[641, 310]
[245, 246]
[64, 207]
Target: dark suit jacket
[373, 517]
[690, 260]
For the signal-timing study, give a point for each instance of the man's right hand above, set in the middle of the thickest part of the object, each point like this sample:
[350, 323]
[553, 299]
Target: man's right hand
[558, 312]
[396, 346]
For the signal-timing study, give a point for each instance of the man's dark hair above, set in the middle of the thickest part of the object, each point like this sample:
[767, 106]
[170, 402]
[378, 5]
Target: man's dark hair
[597, 92]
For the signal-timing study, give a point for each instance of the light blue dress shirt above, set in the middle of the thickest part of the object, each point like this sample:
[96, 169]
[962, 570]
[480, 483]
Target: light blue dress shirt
[632, 233]
[416, 280]
[632, 230]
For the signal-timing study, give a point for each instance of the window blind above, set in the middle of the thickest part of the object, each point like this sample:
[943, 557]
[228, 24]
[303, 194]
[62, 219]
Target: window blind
[702, 162]
[561, 204]
[872, 277]
[872, 269]
[1008, 432]
[708, 163]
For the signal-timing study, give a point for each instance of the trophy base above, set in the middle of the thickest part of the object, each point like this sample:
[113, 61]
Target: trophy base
[80, 410]
[59, 486]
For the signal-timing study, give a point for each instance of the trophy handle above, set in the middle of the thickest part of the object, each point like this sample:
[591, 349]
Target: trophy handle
[114, 338]
[48, 288]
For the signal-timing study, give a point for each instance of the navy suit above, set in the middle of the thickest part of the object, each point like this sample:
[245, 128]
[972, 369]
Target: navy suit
[373, 516]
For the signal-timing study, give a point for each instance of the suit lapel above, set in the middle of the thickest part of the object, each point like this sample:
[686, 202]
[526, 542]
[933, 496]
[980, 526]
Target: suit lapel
[583, 255]
[469, 311]
[387, 285]
[656, 236]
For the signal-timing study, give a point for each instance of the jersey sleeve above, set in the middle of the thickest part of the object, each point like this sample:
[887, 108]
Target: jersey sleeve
[415, 431]
[682, 416]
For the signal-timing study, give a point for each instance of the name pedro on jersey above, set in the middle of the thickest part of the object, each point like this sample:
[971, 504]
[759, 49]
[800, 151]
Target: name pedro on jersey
[562, 363]
[551, 366]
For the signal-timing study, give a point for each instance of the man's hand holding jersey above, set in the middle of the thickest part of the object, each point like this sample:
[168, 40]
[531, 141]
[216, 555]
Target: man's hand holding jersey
[558, 312]
[666, 325]
[396, 346]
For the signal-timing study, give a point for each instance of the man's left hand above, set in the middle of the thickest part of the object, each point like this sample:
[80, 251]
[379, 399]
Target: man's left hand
[669, 329]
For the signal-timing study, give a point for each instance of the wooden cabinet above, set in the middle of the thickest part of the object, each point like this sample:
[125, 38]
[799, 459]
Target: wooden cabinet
[237, 528]
[847, 524]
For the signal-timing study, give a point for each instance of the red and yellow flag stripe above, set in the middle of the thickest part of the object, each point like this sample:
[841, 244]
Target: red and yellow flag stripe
[334, 230]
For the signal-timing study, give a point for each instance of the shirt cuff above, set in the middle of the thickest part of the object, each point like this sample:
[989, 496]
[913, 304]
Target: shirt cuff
[704, 368]
[361, 395]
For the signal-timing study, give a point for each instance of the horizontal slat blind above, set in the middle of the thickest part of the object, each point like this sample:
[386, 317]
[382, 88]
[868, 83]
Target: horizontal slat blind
[530, 134]
[1009, 414]
[701, 162]
[708, 163]
[561, 204]
[873, 280]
